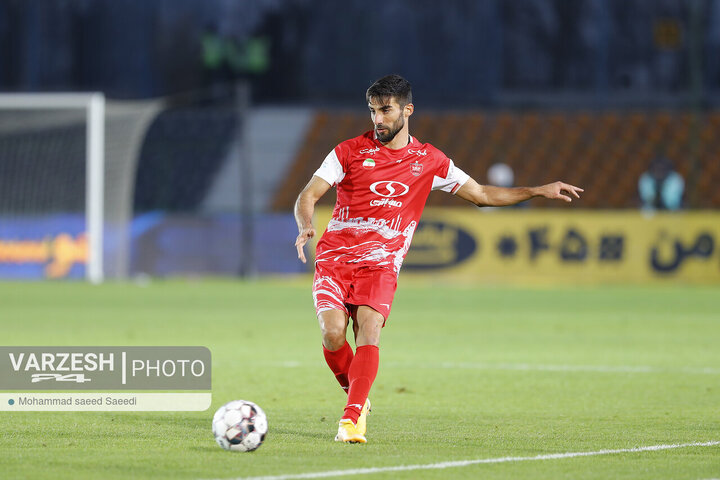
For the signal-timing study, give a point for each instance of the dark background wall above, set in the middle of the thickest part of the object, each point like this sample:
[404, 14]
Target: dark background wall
[456, 52]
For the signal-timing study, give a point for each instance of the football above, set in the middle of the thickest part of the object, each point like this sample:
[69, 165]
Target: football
[240, 426]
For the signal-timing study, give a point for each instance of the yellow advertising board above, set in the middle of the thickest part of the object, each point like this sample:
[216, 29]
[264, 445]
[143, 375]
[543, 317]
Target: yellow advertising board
[55, 255]
[563, 246]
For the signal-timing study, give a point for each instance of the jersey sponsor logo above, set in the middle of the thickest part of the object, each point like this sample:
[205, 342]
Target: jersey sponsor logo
[369, 151]
[389, 188]
[417, 152]
[416, 168]
[385, 202]
[368, 163]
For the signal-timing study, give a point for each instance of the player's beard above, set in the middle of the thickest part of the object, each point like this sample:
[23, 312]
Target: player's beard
[392, 130]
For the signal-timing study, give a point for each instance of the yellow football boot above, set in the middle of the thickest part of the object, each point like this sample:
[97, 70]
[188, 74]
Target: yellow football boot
[348, 432]
[362, 419]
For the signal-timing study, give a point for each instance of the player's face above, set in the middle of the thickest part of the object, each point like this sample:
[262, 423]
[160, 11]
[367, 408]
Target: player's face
[388, 118]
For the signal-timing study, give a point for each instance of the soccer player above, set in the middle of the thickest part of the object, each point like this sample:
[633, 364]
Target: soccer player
[383, 179]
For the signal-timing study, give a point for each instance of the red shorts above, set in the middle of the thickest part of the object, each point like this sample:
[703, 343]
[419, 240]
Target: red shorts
[340, 286]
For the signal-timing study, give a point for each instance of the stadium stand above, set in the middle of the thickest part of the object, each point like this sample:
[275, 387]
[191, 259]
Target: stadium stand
[604, 152]
[182, 152]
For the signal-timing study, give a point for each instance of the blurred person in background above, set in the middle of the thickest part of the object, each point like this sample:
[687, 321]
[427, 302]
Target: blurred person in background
[661, 187]
[215, 68]
[383, 180]
[501, 175]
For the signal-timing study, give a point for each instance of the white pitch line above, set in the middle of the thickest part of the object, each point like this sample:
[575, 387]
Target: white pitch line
[466, 463]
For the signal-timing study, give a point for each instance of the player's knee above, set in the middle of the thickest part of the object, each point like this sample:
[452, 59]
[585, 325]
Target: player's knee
[333, 339]
[333, 332]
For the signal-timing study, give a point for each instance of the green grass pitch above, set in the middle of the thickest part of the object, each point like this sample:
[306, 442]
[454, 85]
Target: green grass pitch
[466, 373]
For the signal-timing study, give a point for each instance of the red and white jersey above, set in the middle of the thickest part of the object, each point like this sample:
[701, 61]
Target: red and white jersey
[381, 194]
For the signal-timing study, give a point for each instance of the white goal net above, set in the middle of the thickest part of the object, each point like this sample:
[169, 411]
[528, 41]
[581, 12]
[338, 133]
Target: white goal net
[67, 167]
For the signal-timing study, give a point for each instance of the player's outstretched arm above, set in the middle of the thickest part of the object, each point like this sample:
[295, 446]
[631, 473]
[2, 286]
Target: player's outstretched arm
[304, 209]
[490, 196]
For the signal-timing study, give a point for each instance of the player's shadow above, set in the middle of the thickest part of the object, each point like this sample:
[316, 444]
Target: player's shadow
[212, 447]
[298, 433]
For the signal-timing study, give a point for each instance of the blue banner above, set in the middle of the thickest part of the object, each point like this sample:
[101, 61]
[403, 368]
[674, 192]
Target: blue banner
[55, 246]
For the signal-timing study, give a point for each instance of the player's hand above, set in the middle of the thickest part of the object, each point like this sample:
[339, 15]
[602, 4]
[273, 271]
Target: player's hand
[558, 190]
[302, 238]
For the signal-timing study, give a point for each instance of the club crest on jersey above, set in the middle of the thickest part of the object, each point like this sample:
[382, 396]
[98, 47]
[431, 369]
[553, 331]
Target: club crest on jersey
[416, 168]
[368, 163]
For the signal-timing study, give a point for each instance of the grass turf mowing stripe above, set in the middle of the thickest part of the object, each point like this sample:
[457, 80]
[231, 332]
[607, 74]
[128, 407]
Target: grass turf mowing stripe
[521, 367]
[466, 463]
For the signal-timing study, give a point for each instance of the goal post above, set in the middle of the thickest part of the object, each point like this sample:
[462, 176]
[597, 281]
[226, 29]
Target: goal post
[93, 106]
[101, 189]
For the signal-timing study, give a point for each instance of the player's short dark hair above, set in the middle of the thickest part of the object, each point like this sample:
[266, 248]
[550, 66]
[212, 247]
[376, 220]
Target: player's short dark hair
[390, 86]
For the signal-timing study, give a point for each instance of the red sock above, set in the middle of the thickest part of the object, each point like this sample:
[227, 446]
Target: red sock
[339, 362]
[362, 373]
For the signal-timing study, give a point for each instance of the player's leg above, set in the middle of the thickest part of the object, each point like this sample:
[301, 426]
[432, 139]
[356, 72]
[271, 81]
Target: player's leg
[364, 366]
[369, 325]
[361, 375]
[372, 294]
[353, 316]
[333, 327]
[330, 290]
[336, 350]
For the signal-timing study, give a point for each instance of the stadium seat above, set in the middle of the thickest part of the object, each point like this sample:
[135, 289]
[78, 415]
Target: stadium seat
[604, 152]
